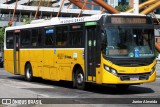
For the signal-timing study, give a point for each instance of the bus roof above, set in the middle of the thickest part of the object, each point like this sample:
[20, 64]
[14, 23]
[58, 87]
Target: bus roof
[66, 20]
[56, 21]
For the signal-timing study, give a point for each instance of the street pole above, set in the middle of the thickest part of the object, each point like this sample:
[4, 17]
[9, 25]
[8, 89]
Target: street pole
[136, 7]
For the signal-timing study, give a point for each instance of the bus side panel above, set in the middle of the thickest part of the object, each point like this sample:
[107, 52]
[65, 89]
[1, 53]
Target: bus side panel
[54, 75]
[48, 66]
[36, 57]
[67, 60]
[23, 59]
[59, 56]
[65, 64]
[65, 72]
[8, 61]
[98, 75]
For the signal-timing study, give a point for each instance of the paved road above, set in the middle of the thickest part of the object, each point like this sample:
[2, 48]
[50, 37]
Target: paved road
[158, 69]
[12, 86]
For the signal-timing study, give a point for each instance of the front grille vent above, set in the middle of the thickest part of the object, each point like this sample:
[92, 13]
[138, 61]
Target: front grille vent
[134, 77]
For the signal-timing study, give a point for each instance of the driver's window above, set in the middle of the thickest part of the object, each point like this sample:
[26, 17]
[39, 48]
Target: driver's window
[112, 38]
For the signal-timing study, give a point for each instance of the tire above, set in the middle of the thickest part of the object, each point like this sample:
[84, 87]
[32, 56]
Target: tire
[28, 73]
[79, 79]
[122, 87]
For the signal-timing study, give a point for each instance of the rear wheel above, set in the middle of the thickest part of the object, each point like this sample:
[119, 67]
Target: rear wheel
[28, 73]
[79, 79]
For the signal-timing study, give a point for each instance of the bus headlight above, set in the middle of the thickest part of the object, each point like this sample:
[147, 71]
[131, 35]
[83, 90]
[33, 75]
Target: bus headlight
[111, 70]
[152, 70]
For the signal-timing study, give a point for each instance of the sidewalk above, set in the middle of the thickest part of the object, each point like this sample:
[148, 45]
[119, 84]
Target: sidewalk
[158, 69]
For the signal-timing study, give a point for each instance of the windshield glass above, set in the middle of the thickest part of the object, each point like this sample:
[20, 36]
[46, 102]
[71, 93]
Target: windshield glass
[127, 42]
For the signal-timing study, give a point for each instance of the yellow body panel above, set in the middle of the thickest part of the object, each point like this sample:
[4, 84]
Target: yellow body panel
[57, 64]
[90, 78]
[109, 78]
[8, 61]
[51, 64]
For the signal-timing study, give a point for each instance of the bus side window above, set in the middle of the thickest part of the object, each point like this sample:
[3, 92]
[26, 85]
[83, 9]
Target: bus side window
[34, 37]
[75, 35]
[9, 39]
[49, 33]
[25, 38]
[75, 38]
[61, 36]
[40, 36]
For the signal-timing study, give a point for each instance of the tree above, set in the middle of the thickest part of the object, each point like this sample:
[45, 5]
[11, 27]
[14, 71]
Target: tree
[26, 21]
[122, 8]
[43, 3]
[2, 30]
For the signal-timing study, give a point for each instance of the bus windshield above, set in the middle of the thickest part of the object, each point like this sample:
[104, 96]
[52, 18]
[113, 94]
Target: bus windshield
[128, 42]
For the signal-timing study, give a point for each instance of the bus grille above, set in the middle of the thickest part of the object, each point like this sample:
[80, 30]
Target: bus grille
[138, 77]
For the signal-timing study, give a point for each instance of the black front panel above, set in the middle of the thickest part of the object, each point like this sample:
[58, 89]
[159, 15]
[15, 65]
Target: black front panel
[130, 61]
[91, 48]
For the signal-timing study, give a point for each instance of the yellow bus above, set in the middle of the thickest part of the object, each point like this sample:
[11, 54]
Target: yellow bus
[115, 49]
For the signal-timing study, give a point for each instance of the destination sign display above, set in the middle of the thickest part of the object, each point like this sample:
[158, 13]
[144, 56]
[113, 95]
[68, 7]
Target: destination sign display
[128, 20]
[74, 20]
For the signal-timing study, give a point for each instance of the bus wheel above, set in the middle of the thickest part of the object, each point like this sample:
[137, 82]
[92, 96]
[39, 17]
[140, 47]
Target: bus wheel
[28, 72]
[79, 79]
[122, 87]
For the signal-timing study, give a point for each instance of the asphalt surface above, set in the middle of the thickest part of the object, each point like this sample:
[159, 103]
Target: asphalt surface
[12, 86]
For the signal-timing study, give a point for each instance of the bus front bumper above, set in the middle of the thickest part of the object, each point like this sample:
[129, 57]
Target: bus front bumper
[109, 78]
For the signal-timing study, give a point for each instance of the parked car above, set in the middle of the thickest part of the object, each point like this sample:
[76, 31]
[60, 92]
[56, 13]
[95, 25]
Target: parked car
[1, 62]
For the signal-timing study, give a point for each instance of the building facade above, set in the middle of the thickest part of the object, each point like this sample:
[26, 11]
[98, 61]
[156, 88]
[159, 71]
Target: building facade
[115, 3]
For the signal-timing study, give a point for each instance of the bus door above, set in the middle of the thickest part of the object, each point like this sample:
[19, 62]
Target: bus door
[16, 53]
[90, 53]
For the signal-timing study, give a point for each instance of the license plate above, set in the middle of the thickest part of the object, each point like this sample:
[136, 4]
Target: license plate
[134, 78]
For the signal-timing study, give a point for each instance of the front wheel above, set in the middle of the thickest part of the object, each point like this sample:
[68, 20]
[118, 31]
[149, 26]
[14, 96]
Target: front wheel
[79, 79]
[28, 73]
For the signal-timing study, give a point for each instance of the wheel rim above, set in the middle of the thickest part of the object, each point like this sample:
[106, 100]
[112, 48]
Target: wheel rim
[80, 78]
[28, 72]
